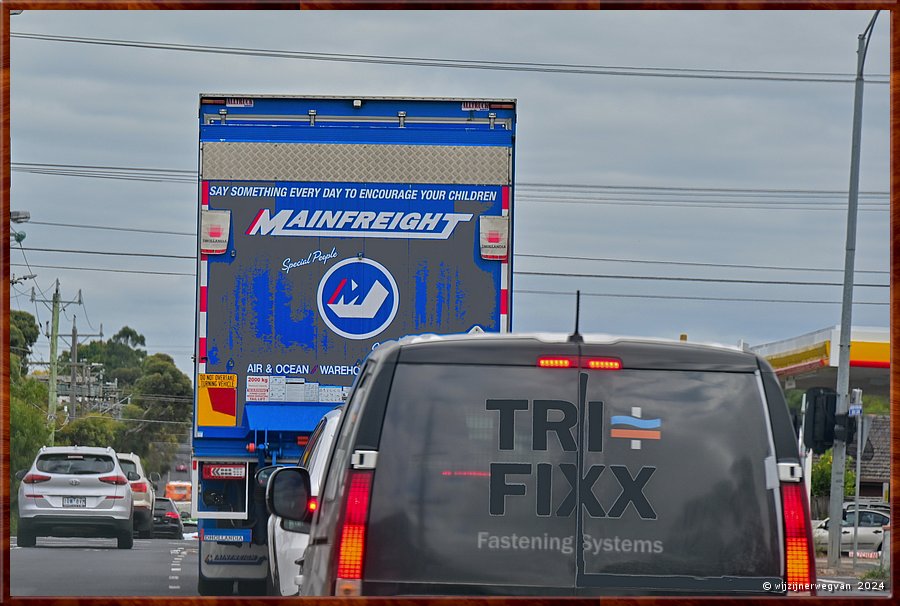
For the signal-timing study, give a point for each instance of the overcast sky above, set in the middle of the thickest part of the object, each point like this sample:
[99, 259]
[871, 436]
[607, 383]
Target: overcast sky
[715, 147]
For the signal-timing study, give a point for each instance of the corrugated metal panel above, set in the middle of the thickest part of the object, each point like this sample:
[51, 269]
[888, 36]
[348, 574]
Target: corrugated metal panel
[356, 163]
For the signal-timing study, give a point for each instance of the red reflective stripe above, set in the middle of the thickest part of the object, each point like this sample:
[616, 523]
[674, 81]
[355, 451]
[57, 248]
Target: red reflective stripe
[201, 348]
[204, 200]
[869, 364]
[504, 301]
[203, 290]
[505, 197]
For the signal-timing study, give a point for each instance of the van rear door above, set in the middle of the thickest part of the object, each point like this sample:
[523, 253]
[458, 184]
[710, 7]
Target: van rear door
[473, 487]
[680, 487]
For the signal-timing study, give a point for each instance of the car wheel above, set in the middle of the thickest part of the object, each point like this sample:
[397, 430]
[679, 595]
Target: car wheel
[207, 587]
[125, 540]
[24, 537]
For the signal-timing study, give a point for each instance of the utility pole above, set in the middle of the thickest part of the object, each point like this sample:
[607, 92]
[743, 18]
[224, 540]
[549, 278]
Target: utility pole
[835, 508]
[73, 355]
[54, 333]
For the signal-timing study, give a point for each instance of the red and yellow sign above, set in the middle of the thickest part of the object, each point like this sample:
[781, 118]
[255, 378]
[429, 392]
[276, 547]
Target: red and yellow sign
[216, 400]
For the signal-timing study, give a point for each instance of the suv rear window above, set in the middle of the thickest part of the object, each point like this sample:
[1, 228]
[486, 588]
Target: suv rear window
[75, 463]
[127, 465]
[478, 472]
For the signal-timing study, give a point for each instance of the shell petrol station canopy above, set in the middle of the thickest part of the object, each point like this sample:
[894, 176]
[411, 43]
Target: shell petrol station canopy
[811, 360]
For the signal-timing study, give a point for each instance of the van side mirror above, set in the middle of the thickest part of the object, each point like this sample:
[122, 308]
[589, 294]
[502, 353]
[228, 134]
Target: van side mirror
[288, 494]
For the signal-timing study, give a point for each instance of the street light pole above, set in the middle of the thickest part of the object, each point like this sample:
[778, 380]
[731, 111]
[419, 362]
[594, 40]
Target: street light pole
[839, 453]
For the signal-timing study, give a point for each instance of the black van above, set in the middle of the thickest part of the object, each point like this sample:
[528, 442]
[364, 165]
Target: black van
[538, 465]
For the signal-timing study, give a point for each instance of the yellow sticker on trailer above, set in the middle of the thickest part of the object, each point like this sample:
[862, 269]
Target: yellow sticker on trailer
[217, 400]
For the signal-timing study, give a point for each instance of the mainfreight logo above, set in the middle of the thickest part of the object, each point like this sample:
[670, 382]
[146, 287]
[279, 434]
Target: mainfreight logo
[356, 223]
[358, 298]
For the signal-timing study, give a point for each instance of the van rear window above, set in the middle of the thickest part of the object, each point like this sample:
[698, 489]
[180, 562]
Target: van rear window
[561, 479]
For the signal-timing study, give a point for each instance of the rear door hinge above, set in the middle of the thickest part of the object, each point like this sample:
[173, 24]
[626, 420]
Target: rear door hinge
[364, 459]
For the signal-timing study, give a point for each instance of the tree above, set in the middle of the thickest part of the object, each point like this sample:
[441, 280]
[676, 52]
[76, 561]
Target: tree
[120, 356]
[99, 431]
[159, 412]
[820, 481]
[28, 429]
[23, 334]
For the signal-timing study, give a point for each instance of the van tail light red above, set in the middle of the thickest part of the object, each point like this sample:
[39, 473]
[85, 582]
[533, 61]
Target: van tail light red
[579, 362]
[557, 362]
[798, 546]
[35, 478]
[351, 551]
[601, 363]
[119, 480]
[139, 487]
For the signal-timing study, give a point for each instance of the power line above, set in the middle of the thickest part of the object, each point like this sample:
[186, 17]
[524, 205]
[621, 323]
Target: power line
[513, 66]
[520, 186]
[689, 298]
[114, 254]
[517, 255]
[112, 228]
[121, 271]
[677, 279]
[690, 264]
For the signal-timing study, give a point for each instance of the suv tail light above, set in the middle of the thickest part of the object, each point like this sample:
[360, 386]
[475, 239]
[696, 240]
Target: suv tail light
[119, 480]
[798, 549]
[139, 487]
[172, 514]
[35, 478]
[351, 550]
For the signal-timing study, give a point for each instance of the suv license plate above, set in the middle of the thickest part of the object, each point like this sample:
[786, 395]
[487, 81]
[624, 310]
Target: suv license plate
[74, 501]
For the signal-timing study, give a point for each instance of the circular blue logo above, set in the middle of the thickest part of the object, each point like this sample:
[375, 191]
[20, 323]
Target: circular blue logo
[358, 298]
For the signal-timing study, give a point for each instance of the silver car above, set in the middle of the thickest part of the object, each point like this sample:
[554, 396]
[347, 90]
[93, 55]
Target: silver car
[870, 531]
[75, 491]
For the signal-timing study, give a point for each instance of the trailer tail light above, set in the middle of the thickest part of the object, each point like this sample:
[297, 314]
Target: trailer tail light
[351, 551]
[118, 480]
[801, 566]
[579, 362]
[35, 478]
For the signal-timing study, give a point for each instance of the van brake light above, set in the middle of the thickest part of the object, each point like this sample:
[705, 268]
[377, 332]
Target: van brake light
[579, 362]
[801, 568]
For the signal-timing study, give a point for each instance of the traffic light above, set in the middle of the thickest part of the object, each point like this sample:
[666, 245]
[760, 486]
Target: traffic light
[818, 428]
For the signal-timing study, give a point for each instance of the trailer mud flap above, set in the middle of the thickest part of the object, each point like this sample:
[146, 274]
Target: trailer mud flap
[233, 561]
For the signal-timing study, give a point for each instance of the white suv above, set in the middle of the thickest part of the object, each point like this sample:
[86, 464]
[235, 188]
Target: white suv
[144, 493]
[75, 491]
